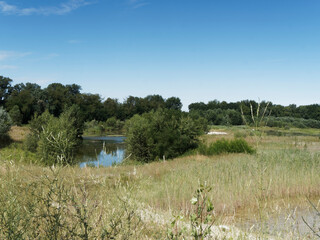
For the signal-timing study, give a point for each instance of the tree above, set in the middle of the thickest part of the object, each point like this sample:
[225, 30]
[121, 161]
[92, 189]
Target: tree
[162, 133]
[173, 103]
[5, 87]
[29, 98]
[57, 98]
[111, 108]
[91, 107]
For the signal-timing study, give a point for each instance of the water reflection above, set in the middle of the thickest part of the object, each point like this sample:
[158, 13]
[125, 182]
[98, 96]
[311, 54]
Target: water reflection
[101, 151]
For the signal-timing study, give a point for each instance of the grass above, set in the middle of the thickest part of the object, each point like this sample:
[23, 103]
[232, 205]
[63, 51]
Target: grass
[247, 190]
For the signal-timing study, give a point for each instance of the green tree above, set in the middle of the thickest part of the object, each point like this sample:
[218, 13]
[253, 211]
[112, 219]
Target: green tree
[173, 103]
[29, 98]
[163, 133]
[111, 108]
[5, 87]
[91, 107]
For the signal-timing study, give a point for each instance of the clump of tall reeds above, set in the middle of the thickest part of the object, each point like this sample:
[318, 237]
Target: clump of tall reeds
[226, 146]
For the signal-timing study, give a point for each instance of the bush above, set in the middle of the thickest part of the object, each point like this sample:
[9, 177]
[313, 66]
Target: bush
[94, 127]
[114, 125]
[55, 139]
[36, 127]
[226, 146]
[5, 123]
[16, 115]
[58, 139]
[288, 122]
[164, 133]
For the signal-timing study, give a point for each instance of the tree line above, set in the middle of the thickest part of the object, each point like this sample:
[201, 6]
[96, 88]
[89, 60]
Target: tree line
[224, 113]
[24, 101]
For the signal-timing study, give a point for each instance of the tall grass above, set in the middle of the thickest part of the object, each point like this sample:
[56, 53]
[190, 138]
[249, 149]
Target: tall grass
[55, 206]
[40, 202]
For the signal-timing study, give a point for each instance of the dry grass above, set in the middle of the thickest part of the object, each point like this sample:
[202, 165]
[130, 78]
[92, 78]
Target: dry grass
[18, 134]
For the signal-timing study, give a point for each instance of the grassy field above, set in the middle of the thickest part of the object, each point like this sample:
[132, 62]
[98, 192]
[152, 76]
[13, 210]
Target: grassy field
[258, 196]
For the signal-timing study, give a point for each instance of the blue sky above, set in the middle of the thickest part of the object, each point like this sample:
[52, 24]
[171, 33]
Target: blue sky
[198, 50]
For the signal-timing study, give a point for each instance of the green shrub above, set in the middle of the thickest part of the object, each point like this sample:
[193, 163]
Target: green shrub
[5, 124]
[114, 125]
[54, 139]
[93, 127]
[31, 143]
[164, 133]
[16, 115]
[36, 127]
[58, 139]
[226, 146]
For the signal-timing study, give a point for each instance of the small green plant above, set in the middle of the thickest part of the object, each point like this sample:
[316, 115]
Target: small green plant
[5, 123]
[176, 232]
[202, 217]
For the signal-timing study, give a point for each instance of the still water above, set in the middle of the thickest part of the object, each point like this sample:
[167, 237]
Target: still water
[101, 151]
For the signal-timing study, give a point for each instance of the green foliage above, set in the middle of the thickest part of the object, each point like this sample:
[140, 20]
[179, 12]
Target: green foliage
[58, 139]
[226, 146]
[31, 143]
[5, 87]
[114, 125]
[111, 126]
[202, 217]
[37, 125]
[5, 123]
[93, 127]
[16, 115]
[55, 139]
[29, 98]
[52, 208]
[287, 122]
[164, 133]
[173, 103]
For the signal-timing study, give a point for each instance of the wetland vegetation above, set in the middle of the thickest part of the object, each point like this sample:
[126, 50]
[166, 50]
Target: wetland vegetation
[176, 182]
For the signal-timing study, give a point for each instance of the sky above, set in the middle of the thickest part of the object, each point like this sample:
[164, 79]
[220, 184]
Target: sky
[197, 50]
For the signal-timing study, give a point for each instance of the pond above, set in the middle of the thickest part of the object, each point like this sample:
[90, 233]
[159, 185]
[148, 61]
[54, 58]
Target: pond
[101, 151]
